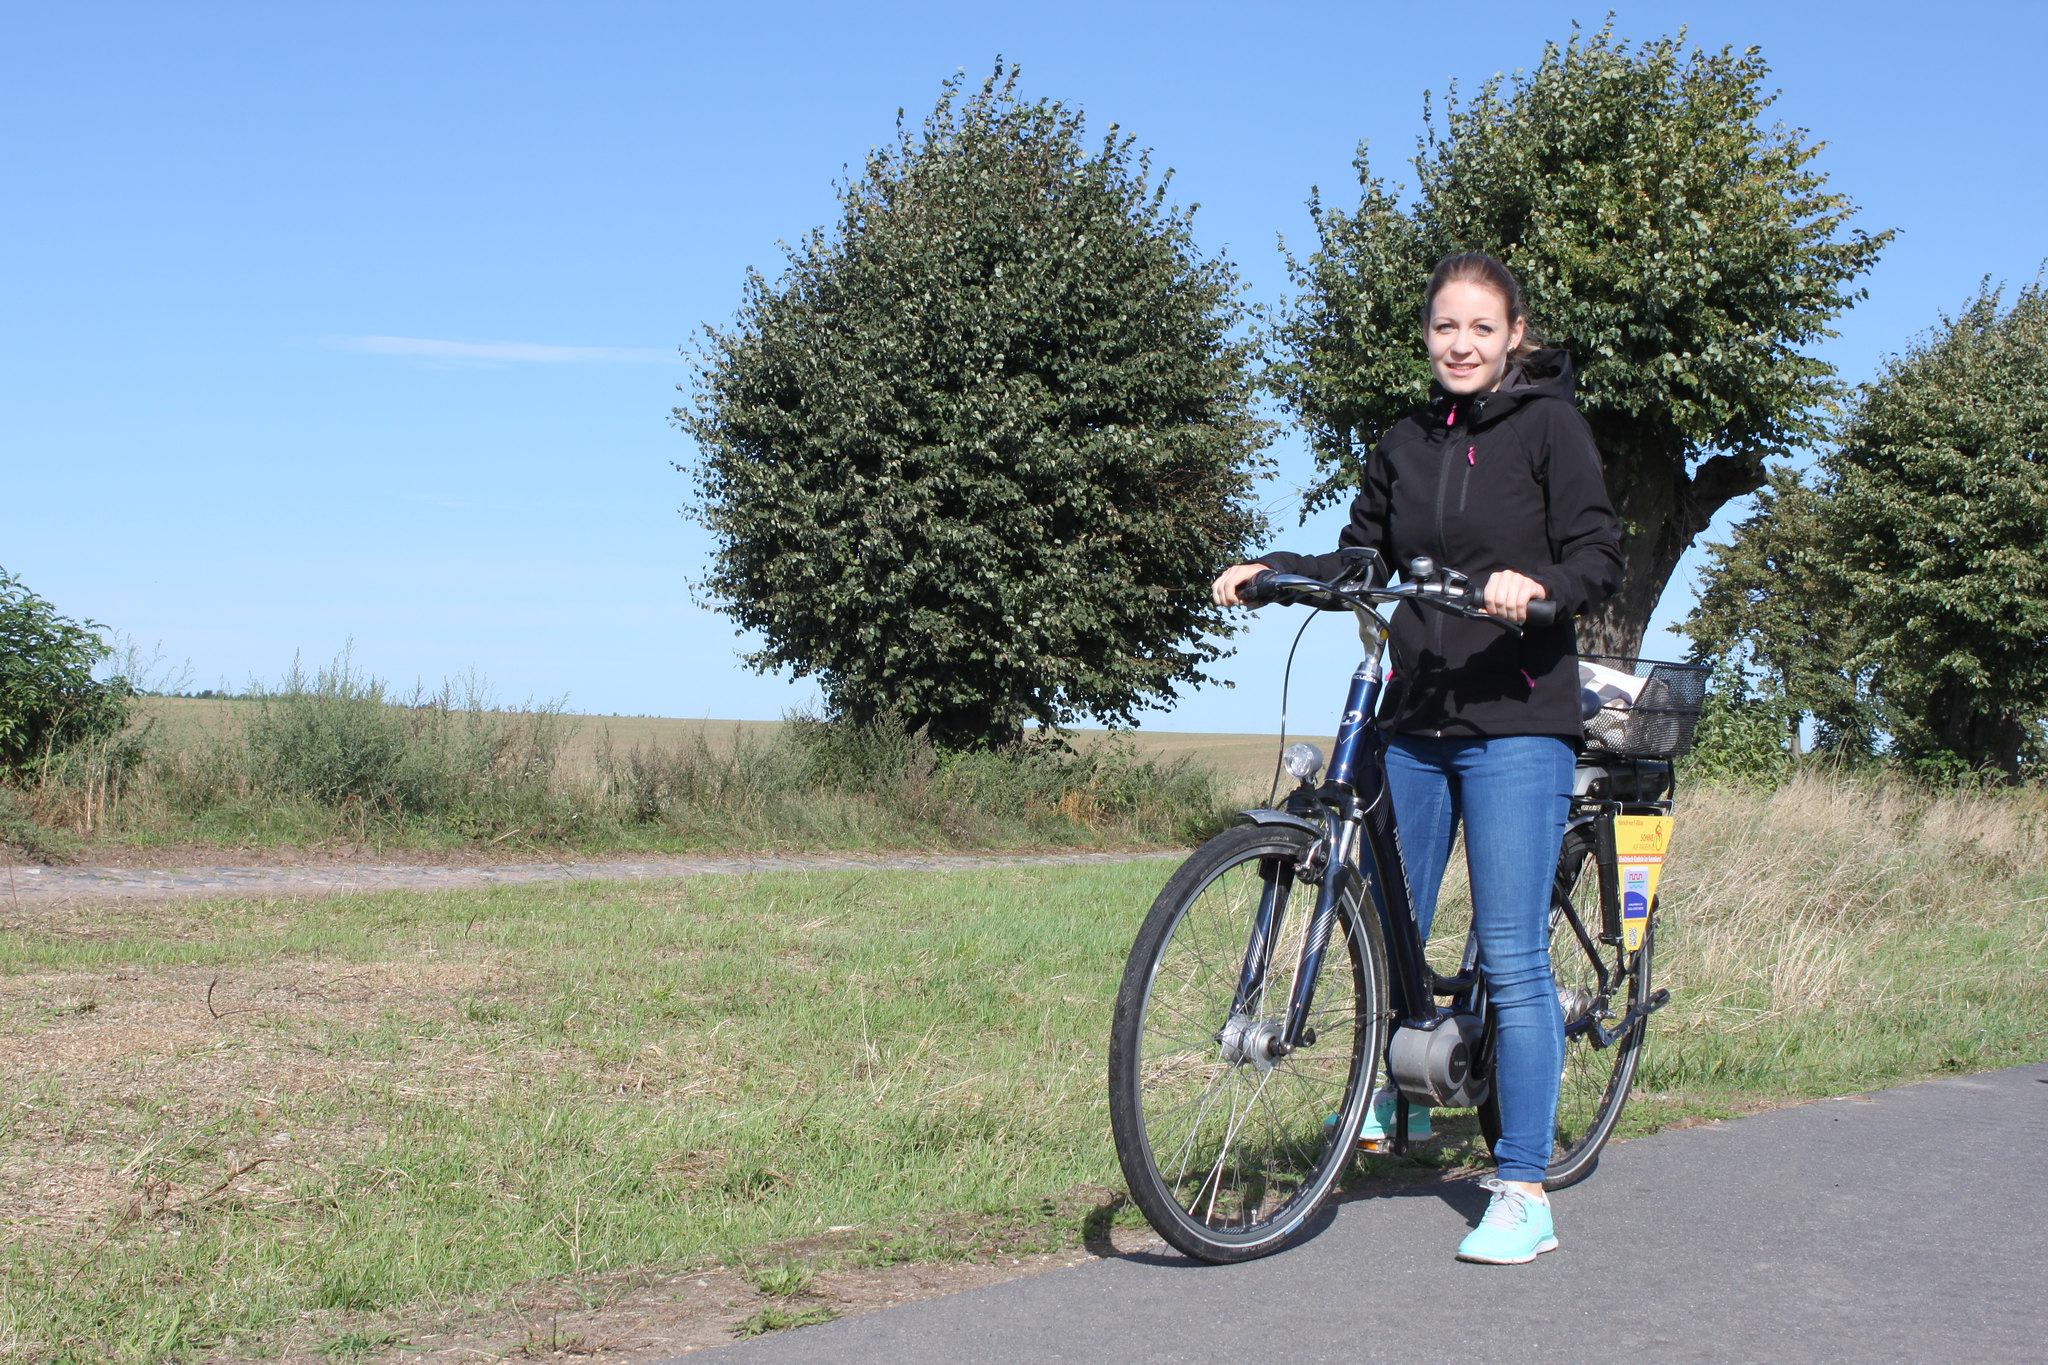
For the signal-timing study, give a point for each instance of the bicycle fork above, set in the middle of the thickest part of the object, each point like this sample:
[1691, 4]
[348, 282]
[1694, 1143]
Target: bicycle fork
[1247, 1037]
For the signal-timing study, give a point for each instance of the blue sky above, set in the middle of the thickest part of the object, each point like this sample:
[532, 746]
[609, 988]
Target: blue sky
[332, 322]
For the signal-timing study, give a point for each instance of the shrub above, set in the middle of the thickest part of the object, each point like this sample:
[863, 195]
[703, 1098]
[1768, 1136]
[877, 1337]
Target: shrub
[49, 699]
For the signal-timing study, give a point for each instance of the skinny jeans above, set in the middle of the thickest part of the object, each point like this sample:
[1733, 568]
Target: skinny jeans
[1513, 795]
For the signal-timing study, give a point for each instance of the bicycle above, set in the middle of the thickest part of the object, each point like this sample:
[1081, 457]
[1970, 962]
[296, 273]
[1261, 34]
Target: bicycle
[1240, 1068]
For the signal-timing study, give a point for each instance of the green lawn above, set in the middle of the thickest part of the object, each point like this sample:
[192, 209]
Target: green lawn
[233, 1121]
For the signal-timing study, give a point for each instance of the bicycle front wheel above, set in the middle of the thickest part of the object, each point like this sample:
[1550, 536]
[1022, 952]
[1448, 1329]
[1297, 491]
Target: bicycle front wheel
[1227, 1150]
[1601, 1045]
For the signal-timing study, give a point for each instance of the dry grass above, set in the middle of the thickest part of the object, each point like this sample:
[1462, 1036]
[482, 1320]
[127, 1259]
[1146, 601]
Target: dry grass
[1246, 759]
[1834, 924]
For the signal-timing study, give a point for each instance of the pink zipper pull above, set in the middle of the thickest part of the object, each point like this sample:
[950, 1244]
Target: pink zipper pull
[1452, 420]
[1529, 680]
[1468, 456]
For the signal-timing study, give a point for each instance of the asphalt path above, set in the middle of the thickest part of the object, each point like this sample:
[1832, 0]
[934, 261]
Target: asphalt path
[1909, 1225]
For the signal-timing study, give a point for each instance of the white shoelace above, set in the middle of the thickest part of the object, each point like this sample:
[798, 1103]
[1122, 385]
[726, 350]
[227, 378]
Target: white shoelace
[1510, 1206]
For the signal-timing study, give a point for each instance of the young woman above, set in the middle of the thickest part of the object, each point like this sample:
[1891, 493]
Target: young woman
[1497, 477]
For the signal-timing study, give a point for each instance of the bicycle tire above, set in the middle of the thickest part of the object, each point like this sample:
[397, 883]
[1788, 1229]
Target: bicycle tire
[1594, 1086]
[1224, 1163]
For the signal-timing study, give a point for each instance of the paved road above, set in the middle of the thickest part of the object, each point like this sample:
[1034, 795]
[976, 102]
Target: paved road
[1911, 1225]
[47, 885]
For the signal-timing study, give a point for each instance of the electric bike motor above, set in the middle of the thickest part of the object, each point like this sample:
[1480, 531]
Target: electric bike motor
[1433, 1066]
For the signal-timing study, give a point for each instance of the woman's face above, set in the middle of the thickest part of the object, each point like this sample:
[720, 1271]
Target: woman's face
[1469, 337]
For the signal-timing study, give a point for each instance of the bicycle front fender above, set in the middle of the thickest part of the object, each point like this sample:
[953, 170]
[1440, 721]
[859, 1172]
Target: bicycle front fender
[1279, 817]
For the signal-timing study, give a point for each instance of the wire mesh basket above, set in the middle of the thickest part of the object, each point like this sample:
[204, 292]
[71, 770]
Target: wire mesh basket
[1648, 710]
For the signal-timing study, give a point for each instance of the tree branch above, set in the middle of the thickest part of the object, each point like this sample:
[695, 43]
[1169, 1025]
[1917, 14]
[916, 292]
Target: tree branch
[1716, 483]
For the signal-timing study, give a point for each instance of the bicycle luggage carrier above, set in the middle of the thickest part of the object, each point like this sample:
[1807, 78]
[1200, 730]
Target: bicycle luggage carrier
[1660, 722]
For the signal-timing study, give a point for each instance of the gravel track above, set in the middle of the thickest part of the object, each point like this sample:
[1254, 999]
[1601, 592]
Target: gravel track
[54, 885]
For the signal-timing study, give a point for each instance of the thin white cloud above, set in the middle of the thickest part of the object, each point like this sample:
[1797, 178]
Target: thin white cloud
[519, 352]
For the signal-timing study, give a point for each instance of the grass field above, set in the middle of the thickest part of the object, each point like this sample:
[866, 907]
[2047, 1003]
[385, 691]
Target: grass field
[1246, 759]
[264, 1129]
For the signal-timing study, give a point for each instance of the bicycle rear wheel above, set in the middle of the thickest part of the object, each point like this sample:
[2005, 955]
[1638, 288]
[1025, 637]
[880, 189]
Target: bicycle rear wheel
[1597, 1076]
[1225, 1149]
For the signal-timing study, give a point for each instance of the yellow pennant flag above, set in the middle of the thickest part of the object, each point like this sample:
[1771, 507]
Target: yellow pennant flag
[1640, 842]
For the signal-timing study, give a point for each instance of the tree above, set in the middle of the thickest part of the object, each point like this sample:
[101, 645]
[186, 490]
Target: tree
[973, 458]
[1681, 252]
[1911, 579]
[1770, 594]
[49, 699]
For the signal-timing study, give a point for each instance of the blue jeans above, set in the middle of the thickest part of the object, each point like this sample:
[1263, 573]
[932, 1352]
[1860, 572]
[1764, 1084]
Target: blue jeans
[1513, 795]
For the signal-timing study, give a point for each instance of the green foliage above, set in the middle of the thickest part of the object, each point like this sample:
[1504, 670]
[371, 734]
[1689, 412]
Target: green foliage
[1768, 595]
[49, 699]
[972, 459]
[1906, 588]
[338, 739]
[1682, 252]
[1743, 735]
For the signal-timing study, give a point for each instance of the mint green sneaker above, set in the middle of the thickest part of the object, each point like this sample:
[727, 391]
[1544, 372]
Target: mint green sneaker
[1375, 1132]
[1516, 1229]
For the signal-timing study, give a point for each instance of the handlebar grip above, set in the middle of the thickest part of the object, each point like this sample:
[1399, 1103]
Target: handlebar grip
[1260, 590]
[1542, 612]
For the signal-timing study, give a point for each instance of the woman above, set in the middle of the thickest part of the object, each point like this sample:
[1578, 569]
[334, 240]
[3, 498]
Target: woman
[1497, 477]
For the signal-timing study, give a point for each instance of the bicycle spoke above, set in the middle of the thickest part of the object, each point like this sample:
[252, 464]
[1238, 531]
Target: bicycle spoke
[1230, 1148]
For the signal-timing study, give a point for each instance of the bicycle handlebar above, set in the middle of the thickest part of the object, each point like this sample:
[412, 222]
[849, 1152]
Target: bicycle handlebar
[1272, 586]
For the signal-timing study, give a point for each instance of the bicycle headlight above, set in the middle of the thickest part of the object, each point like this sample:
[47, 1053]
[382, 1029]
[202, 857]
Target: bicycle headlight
[1302, 761]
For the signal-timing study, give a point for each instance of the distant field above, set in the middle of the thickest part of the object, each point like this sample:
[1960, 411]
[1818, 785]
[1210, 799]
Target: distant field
[1247, 757]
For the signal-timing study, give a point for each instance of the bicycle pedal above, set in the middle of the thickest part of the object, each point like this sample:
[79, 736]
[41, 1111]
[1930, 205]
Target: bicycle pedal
[1384, 1146]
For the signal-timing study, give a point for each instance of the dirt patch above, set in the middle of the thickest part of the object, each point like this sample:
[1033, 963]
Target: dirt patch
[94, 1054]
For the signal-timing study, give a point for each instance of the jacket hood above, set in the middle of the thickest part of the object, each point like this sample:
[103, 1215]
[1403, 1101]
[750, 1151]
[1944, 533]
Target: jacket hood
[1541, 374]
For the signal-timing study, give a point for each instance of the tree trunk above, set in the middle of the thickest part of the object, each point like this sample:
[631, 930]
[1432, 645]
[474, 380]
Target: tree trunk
[1662, 511]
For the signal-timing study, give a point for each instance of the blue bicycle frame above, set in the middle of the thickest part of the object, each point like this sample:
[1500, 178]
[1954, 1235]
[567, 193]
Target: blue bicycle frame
[1354, 814]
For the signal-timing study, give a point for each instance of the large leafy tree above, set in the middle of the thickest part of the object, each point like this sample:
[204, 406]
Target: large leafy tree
[1680, 250]
[1910, 579]
[973, 457]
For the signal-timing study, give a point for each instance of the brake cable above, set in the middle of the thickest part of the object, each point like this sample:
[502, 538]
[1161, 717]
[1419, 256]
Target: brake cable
[1286, 676]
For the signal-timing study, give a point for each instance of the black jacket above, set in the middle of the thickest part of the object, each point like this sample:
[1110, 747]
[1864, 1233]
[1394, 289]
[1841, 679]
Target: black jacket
[1479, 482]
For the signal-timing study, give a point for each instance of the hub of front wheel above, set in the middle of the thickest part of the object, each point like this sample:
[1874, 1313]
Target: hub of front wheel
[1256, 1041]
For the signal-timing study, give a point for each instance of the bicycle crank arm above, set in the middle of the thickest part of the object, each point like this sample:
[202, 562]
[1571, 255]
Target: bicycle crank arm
[1659, 998]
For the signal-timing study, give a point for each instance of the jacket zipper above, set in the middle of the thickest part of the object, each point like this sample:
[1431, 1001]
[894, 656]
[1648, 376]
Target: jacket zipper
[1443, 552]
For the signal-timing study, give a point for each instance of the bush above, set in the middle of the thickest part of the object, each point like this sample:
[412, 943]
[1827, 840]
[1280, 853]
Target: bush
[1741, 735]
[339, 739]
[49, 699]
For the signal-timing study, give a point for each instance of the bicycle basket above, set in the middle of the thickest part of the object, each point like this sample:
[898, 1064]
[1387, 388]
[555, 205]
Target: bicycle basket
[1649, 711]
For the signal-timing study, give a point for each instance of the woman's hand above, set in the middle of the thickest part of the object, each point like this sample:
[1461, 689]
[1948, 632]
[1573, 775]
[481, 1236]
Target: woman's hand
[1224, 589]
[1508, 595]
